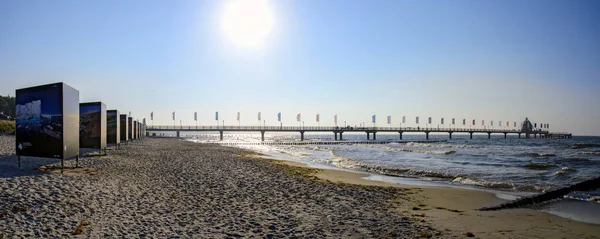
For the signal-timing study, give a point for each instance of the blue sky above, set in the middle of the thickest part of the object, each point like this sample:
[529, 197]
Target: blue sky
[491, 60]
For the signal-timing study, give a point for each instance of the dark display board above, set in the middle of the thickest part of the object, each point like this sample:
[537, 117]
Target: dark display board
[124, 128]
[130, 130]
[47, 121]
[92, 125]
[135, 129]
[113, 129]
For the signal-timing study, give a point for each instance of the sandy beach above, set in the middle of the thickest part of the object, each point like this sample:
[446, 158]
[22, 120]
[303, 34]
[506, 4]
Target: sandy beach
[173, 188]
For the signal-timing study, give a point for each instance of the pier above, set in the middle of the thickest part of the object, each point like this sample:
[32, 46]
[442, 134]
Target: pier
[370, 132]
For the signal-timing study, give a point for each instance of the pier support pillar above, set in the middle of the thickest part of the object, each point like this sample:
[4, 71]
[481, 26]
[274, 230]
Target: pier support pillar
[341, 135]
[535, 136]
[489, 135]
[335, 133]
[221, 135]
[262, 135]
[301, 135]
[450, 134]
[400, 135]
[177, 134]
[374, 135]
[368, 135]
[519, 135]
[505, 135]
[427, 135]
[470, 135]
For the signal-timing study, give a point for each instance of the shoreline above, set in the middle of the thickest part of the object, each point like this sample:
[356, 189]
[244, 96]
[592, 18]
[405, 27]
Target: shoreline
[455, 209]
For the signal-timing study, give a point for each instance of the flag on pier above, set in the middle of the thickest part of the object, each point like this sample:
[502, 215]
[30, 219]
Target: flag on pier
[144, 121]
[507, 123]
[298, 117]
[417, 120]
[195, 116]
[317, 117]
[152, 115]
[129, 114]
[217, 116]
[389, 119]
[452, 120]
[429, 120]
[335, 119]
[403, 119]
[173, 115]
[473, 121]
[534, 125]
[373, 118]
[238, 116]
[500, 123]
[279, 116]
[464, 121]
[515, 124]
[492, 123]
[442, 120]
[482, 122]
[258, 116]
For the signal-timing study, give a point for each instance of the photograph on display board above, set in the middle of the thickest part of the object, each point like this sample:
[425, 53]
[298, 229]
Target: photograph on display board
[39, 121]
[90, 130]
[112, 127]
[124, 128]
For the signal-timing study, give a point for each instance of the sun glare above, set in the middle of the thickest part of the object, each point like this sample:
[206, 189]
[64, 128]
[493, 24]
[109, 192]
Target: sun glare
[247, 23]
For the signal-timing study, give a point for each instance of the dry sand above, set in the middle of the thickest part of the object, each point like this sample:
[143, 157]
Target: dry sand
[172, 188]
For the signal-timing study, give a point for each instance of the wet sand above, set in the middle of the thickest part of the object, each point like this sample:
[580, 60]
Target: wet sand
[454, 210]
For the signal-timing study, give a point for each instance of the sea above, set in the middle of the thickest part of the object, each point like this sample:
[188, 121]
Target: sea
[509, 167]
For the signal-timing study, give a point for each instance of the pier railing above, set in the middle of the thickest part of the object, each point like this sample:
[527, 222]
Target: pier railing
[332, 128]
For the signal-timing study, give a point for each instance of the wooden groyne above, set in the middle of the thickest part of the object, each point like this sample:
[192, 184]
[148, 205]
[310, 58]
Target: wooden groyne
[329, 142]
[547, 196]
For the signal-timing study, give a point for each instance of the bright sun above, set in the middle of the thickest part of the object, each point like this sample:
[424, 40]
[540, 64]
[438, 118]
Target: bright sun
[247, 22]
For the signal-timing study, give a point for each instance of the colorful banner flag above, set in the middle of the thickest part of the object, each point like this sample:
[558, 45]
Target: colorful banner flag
[515, 124]
[217, 116]
[317, 117]
[464, 121]
[152, 115]
[373, 118]
[442, 120]
[173, 115]
[298, 117]
[335, 119]
[389, 119]
[473, 121]
[258, 116]
[417, 120]
[453, 121]
[492, 123]
[507, 123]
[195, 116]
[404, 119]
[429, 120]
[238, 116]
[279, 116]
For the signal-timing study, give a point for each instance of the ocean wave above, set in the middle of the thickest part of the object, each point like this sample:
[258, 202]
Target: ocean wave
[591, 152]
[539, 166]
[584, 145]
[577, 160]
[499, 185]
[438, 145]
[388, 170]
[396, 149]
[532, 154]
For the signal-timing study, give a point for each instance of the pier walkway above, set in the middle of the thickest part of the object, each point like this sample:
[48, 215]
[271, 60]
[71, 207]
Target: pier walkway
[371, 132]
